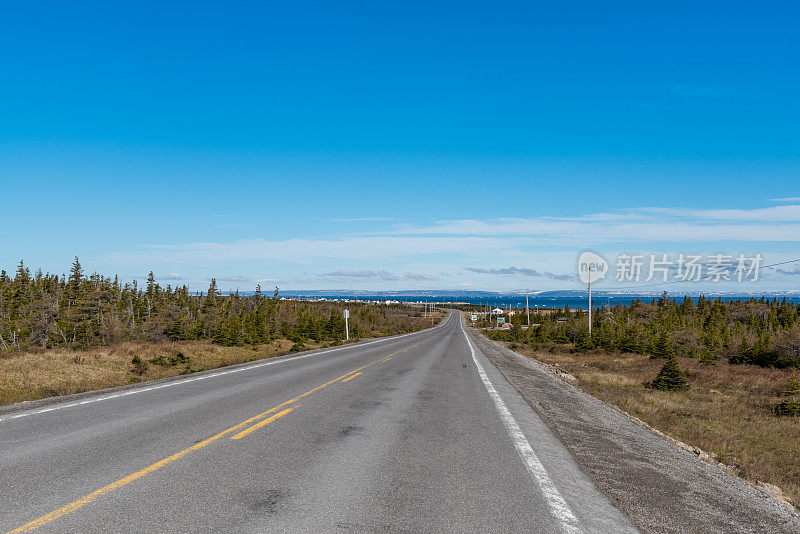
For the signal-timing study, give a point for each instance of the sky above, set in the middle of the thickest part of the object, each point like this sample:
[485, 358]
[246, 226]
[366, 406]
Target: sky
[408, 145]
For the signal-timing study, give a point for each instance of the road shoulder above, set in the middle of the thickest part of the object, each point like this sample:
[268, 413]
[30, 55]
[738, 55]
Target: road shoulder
[661, 487]
[148, 385]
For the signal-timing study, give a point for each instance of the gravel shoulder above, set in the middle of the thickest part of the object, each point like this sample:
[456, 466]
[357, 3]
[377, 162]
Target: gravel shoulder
[661, 487]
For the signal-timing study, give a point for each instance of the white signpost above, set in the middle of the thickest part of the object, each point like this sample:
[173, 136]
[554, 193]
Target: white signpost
[591, 267]
[346, 325]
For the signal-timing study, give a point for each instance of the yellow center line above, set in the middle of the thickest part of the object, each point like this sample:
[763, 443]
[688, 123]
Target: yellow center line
[268, 420]
[351, 377]
[83, 501]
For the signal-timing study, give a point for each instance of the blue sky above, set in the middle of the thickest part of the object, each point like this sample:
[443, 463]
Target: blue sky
[396, 146]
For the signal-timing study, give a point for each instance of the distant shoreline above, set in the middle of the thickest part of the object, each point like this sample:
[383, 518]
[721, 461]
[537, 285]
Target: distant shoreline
[550, 299]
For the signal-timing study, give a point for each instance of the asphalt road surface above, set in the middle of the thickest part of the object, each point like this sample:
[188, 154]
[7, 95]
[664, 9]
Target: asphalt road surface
[416, 433]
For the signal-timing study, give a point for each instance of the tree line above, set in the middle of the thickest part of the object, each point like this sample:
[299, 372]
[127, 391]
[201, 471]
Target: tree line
[764, 332]
[43, 310]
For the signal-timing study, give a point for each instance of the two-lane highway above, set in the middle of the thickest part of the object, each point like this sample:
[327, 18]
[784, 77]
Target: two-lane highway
[417, 433]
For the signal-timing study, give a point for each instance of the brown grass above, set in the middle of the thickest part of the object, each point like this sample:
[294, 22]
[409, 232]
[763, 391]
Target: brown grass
[40, 373]
[36, 375]
[727, 410]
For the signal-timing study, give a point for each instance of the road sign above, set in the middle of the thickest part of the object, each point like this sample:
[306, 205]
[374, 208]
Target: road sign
[474, 317]
[501, 320]
[346, 314]
[346, 325]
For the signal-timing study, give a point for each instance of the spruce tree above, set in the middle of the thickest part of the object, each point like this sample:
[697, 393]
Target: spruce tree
[151, 284]
[708, 356]
[222, 335]
[211, 297]
[23, 276]
[742, 354]
[791, 393]
[662, 348]
[176, 330]
[75, 278]
[670, 378]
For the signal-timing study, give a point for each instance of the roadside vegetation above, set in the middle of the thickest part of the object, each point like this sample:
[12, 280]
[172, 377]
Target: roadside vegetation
[721, 376]
[74, 333]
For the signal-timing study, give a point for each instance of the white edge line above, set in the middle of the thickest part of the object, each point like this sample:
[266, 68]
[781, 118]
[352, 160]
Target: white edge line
[203, 377]
[558, 506]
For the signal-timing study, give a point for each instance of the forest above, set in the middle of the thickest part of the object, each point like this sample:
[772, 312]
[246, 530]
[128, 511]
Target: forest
[75, 311]
[759, 331]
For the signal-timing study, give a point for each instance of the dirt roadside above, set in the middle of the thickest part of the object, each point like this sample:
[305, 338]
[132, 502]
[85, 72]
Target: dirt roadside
[660, 486]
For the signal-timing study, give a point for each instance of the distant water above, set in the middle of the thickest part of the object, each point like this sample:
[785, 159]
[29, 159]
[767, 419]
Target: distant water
[576, 301]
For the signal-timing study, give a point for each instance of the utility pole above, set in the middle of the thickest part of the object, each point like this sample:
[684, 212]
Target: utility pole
[527, 309]
[588, 263]
[590, 304]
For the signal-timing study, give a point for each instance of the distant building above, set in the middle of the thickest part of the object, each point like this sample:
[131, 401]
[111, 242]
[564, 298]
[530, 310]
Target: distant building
[498, 311]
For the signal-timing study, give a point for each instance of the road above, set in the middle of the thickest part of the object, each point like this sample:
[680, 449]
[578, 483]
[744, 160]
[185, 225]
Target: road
[416, 433]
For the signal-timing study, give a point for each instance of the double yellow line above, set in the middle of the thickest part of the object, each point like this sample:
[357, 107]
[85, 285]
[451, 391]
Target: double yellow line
[239, 429]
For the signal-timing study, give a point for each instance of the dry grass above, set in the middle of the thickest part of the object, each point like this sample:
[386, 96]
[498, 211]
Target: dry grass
[39, 374]
[727, 411]
[36, 375]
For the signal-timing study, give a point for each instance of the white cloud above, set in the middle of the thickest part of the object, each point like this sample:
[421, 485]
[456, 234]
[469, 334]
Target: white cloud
[787, 272]
[521, 271]
[306, 250]
[365, 219]
[543, 247]
[774, 224]
[785, 199]
[170, 276]
[767, 215]
[231, 279]
[380, 275]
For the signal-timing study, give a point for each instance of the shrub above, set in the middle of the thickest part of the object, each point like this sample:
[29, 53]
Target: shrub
[707, 357]
[179, 359]
[670, 377]
[790, 406]
[139, 365]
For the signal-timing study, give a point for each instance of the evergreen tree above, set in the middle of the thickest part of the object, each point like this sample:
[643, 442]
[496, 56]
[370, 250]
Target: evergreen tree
[791, 404]
[742, 354]
[176, 330]
[75, 278]
[151, 285]
[708, 356]
[662, 347]
[213, 294]
[670, 377]
[23, 276]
